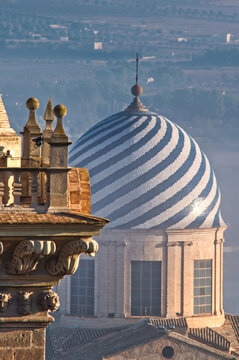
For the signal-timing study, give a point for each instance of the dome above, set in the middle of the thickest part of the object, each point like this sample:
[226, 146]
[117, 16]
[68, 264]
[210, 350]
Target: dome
[147, 173]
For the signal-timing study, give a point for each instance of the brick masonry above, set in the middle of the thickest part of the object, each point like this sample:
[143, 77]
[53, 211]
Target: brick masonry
[22, 344]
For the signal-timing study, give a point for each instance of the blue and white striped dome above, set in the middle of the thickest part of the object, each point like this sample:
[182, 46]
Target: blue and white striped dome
[146, 172]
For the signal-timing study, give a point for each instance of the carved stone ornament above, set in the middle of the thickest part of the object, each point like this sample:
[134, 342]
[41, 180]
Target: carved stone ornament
[5, 300]
[49, 300]
[27, 255]
[68, 259]
[24, 303]
[1, 247]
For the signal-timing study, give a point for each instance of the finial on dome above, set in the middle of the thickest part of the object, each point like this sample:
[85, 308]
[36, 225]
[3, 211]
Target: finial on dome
[137, 90]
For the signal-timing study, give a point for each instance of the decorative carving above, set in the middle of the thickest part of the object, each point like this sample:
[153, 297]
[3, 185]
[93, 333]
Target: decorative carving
[24, 303]
[5, 300]
[173, 243]
[68, 259]
[218, 241]
[49, 300]
[27, 255]
[1, 247]
[186, 243]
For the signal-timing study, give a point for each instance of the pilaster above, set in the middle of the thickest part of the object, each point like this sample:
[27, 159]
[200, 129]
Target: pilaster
[101, 280]
[172, 276]
[120, 278]
[218, 244]
[187, 281]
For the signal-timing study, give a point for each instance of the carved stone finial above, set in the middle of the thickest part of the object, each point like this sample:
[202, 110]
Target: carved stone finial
[32, 105]
[49, 300]
[1, 247]
[59, 111]
[49, 114]
[27, 255]
[5, 300]
[68, 260]
[24, 303]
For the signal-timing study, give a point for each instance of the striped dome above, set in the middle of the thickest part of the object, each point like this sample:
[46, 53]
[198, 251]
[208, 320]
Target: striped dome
[146, 172]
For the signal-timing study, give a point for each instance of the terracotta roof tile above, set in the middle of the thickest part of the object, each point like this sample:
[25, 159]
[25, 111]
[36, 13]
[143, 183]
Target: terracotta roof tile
[34, 218]
[119, 341]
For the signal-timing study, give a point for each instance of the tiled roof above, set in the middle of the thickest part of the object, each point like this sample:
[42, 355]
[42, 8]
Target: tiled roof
[180, 322]
[234, 321]
[210, 337]
[140, 333]
[34, 218]
[50, 353]
[114, 343]
[84, 335]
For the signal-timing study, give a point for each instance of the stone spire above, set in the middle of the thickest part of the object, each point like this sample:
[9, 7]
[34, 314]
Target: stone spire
[4, 121]
[47, 133]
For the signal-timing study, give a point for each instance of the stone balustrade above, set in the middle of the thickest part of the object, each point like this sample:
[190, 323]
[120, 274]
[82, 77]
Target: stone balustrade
[12, 194]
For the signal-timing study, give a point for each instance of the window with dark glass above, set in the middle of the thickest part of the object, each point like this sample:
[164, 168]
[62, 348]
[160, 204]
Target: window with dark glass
[145, 288]
[202, 286]
[82, 288]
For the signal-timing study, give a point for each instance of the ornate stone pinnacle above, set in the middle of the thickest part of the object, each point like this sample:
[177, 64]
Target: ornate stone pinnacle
[49, 117]
[60, 112]
[32, 104]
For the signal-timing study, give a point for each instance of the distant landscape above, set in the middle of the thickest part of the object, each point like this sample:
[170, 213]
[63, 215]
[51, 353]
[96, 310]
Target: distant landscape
[83, 55]
[188, 70]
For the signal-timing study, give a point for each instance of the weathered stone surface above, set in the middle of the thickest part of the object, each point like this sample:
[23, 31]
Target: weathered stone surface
[29, 354]
[38, 337]
[14, 338]
[6, 354]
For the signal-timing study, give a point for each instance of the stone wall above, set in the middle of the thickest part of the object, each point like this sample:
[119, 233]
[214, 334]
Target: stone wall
[18, 344]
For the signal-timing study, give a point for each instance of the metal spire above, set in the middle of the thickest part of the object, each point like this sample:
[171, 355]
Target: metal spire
[137, 67]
